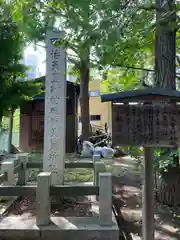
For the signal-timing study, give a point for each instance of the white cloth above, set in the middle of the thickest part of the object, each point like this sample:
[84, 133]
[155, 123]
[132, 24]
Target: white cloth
[87, 149]
[107, 152]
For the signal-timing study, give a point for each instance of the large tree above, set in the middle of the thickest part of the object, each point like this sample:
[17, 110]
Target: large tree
[12, 73]
[161, 60]
[89, 26]
[165, 69]
[131, 58]
[13, 89]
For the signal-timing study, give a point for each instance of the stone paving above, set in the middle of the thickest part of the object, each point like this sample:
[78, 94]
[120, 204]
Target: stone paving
[84, 228]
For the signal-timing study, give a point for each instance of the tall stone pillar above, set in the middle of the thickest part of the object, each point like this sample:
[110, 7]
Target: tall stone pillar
[55, 108]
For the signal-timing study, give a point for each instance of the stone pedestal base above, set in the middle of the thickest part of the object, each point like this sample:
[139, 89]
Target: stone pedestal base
[84, 228]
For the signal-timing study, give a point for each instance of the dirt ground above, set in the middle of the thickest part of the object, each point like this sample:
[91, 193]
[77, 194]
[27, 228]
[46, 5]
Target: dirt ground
[127, 188]
[74, 207]
[127, 179]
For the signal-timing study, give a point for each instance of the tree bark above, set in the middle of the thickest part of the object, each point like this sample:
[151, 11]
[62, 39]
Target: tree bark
[11, 114]
[1, 117]
[84, 98]
[165, 77]
[165, 46]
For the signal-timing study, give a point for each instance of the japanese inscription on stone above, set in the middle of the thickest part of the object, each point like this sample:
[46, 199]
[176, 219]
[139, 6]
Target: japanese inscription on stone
[148, 125]
[55, 108]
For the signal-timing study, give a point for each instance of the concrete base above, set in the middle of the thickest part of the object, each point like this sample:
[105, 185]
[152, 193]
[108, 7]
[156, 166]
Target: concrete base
[76, 228]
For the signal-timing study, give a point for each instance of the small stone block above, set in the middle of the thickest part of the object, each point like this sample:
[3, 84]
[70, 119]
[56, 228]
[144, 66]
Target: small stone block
[96, 157]
[105, 198]
[99, 167]
[9, 168]
[26, 158]
[22, 174]
[43, 200]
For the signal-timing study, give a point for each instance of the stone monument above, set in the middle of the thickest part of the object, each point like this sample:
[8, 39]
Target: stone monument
[55, 108]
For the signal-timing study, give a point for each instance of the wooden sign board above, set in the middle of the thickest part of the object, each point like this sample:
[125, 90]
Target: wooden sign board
[146, 125]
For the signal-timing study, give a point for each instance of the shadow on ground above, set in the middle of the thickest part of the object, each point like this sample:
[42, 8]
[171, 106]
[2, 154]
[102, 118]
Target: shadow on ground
[128, 207]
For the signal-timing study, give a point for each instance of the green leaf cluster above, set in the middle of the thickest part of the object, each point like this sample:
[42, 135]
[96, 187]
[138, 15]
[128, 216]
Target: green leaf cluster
[13, 89]
[163, 158]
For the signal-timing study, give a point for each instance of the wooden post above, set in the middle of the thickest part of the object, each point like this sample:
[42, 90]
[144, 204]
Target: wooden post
[148, 196]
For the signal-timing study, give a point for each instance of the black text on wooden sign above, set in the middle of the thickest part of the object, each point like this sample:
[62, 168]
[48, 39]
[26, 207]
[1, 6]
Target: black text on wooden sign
[150, 125]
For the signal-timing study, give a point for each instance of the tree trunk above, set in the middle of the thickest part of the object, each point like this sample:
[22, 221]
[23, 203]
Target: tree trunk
[84, 98]
[165, 70]
[165, 48]
[9, 149]
[1, 115]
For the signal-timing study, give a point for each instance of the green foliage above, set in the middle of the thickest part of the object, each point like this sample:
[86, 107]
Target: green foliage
[5, 121]
[133, 49]
[130, 44]
[13, 89]
[135, 152]
[112, 31]
[97, 34]
[117, 33]
[119, 79]
[163, 158]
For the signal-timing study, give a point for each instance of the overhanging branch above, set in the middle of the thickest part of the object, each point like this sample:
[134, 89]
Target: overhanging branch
[134, 67]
